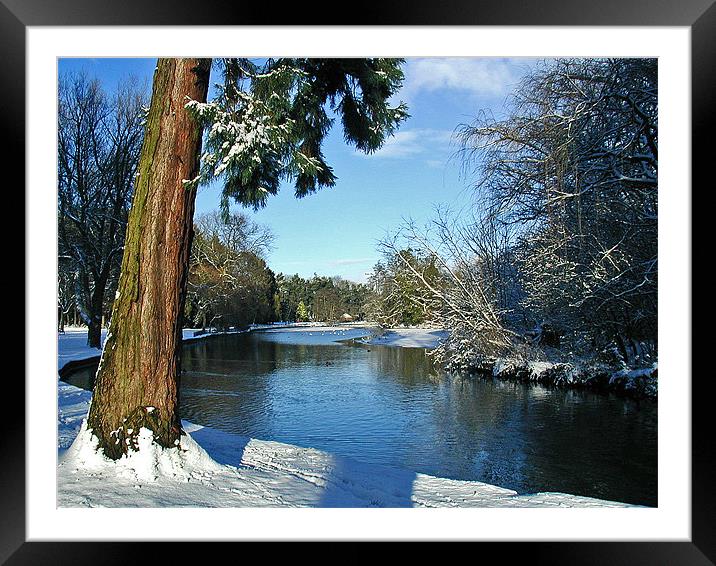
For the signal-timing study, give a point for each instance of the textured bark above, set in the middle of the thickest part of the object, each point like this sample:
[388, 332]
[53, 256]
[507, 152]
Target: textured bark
[137, 381]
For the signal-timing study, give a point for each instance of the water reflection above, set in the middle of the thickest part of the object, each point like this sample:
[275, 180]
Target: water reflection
[392, 406]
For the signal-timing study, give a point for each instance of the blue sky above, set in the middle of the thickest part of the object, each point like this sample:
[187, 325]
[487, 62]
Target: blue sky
[334, 232]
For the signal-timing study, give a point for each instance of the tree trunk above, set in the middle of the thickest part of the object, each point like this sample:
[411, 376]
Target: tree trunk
[137, 381]
[94, 330]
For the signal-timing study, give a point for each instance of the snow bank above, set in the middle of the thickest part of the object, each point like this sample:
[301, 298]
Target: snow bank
[72, 345]
[638, 383]
[309, 328]
[218, 469]
[550, 373]
[72, 408]
[642, 380]
[195, 333]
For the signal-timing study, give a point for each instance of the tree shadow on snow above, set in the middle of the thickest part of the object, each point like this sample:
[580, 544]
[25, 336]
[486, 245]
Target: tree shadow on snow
[348, 483]
[223, 447]
[355, 484]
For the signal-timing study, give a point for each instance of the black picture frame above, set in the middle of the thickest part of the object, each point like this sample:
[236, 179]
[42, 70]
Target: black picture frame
[698, 15]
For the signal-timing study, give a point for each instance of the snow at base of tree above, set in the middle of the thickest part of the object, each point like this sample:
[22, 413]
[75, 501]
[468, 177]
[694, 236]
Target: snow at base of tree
[147, 464]
[212, 468]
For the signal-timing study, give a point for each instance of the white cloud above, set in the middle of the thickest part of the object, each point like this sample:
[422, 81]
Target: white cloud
[357, 261]
[413, 143]
[477, 76]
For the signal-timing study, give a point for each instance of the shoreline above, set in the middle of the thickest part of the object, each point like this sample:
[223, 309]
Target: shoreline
[636, 383]
[217, 469]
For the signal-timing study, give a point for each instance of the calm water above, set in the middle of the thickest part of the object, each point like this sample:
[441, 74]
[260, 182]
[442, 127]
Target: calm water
[391, 406]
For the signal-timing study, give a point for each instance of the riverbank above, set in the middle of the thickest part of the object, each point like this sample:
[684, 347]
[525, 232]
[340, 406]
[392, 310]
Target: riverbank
[218, 469]
[636, 383]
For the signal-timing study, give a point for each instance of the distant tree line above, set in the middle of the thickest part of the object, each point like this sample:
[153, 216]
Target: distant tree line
[230, 284]
[321, 298]
[560, 247]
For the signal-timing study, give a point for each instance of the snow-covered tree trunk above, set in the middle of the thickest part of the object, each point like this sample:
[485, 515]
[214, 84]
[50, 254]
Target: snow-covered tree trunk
[138, 378]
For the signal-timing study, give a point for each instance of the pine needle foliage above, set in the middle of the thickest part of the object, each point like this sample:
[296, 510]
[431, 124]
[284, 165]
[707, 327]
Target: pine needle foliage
[269, 119]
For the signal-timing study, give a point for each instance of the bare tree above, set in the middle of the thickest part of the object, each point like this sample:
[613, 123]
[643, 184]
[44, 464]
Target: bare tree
[99, 139]
[561, 236]
[462, 298]
[219, 260]
[237, 231]
[65, 293]
[574, 169]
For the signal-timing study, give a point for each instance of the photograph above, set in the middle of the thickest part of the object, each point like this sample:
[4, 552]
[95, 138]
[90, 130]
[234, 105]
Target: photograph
[357, 282]
[418, 277]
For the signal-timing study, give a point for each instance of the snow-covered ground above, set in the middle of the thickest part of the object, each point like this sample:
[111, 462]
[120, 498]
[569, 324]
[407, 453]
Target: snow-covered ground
[313, 327]
[218, 469]
[72, 345]
[410, 337]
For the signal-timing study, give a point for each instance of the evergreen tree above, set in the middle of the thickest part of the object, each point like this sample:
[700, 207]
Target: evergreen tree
[301, 312]
[266, 125]
[402, 286]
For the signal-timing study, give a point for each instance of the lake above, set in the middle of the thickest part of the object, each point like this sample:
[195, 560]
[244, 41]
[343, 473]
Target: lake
[392, 406]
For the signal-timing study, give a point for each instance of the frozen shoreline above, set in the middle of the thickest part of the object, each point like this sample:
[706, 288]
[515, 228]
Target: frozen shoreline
[410, 337]
[218, 469]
